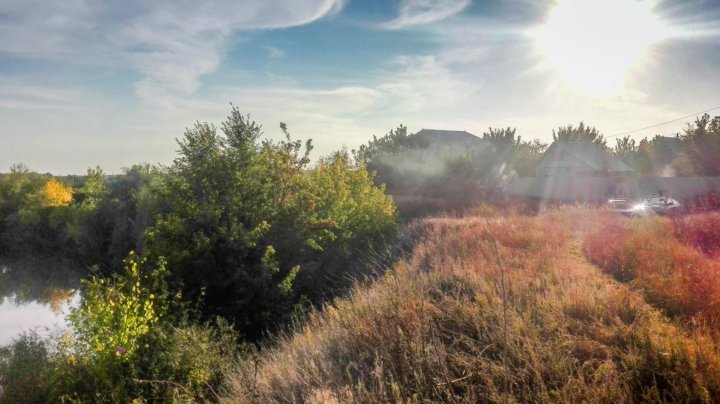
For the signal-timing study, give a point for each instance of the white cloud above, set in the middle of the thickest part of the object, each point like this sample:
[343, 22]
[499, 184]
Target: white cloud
[421, 12]
[170, 43]
[275, 53]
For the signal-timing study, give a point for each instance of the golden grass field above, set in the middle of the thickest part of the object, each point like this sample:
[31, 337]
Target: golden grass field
[572, 305]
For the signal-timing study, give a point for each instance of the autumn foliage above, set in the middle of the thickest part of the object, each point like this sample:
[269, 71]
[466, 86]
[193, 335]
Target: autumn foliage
[54, 193]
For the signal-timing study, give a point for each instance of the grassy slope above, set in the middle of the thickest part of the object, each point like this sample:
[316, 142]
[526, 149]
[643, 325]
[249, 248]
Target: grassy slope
[433, 329]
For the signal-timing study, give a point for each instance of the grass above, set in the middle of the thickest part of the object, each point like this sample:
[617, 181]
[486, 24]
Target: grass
[672, 261]
[433, 328]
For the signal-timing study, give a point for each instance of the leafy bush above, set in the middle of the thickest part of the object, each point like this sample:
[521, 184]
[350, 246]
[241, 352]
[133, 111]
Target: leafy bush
[123, 345]
[118, 313]
[249, 224]
[25, 371]
[189, 362]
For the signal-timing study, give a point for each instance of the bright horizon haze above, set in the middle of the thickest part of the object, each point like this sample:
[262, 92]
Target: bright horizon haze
[111, 83]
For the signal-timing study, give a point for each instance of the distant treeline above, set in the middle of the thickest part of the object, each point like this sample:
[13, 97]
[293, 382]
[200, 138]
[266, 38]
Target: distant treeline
[423, 182]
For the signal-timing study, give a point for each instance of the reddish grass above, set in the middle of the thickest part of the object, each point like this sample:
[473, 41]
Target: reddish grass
[709, 202]
[432, 329]
[660, 256]
[700, 231]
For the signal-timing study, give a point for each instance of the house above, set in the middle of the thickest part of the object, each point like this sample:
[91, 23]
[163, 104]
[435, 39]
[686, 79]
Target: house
[580, 159]
[450, 141]
[576, 171]
[584, 172]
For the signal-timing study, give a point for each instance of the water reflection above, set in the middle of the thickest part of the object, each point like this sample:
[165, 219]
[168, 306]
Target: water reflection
[35, 294]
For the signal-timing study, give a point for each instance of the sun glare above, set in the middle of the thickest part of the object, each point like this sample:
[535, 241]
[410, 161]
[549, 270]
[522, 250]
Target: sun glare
[594, 43]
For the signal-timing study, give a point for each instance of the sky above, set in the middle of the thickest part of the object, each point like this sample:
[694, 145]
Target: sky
[112, 83]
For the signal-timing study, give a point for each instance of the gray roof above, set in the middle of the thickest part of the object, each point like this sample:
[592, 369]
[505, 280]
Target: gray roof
[426, 137]
[588, 153]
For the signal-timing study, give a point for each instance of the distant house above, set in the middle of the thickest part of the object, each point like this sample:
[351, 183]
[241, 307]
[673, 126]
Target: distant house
[584, 172]
[452, 141]
[580, 159]
[576, 171]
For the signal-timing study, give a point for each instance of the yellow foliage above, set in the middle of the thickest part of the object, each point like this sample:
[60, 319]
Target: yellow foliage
[55, 193]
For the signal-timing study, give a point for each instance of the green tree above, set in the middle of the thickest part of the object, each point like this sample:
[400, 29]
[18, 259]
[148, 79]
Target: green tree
[95, 187]
[394, 142]
[580, 133]
[243, 221]
[701, 148]
[512, 155]
[502, 139]
[625, 149]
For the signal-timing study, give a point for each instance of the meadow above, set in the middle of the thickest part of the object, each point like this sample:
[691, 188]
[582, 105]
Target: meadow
[566, 306]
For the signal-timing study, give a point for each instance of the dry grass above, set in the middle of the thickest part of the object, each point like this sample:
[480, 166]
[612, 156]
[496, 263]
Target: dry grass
[700, 231]
[667, 259]
[432, 329]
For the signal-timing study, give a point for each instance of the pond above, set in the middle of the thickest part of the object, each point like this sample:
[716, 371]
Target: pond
[35, 295]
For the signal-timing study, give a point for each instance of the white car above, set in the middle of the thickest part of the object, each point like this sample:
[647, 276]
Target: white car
[661, 205]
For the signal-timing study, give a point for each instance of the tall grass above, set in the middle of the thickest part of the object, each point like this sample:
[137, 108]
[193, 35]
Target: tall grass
[666, 260]
[700, 231]
[432, 329]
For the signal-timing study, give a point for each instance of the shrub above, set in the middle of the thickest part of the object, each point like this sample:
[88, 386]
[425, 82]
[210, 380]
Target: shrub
[125, 344]
[118, 313]
[25, 371]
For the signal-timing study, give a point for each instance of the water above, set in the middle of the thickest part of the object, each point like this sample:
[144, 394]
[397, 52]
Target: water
[35, 295]
[17, 317]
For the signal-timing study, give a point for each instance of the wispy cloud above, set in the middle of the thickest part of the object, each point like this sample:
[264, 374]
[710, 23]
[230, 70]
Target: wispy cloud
[169, 43]
[275, 53]
[421, 12]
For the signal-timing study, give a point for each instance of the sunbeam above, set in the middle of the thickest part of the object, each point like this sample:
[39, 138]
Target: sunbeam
[593, 44]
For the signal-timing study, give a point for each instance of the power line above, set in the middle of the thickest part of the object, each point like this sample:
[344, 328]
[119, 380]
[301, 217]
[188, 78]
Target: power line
[660, 124]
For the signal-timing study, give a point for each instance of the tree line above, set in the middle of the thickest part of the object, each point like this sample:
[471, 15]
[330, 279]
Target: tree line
[460, 179]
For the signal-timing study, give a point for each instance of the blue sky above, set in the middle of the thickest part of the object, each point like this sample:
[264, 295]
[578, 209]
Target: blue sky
[112, 83]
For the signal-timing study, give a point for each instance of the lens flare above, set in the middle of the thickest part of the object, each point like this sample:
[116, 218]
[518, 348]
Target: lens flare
[593, 44]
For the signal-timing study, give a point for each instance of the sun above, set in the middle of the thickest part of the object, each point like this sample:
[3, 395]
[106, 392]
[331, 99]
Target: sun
[593, 44]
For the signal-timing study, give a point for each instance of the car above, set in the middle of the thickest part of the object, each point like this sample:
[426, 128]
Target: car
[618, 205]
[660, 205]
[628, 208]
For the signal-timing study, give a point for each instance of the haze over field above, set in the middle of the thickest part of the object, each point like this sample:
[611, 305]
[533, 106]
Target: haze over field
[113, 83]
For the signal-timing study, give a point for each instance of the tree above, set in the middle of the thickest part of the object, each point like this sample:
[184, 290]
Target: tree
[701, 148]
[395, 142]
[249, 226]
[581, 133]
[625, 148]
[511, 155]
[527, 156]
[54, 193]
[502, 139]
[95, 187]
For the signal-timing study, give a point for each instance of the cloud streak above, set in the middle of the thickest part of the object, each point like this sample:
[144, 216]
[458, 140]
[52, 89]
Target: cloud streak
[170, 44]
[421, 12]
